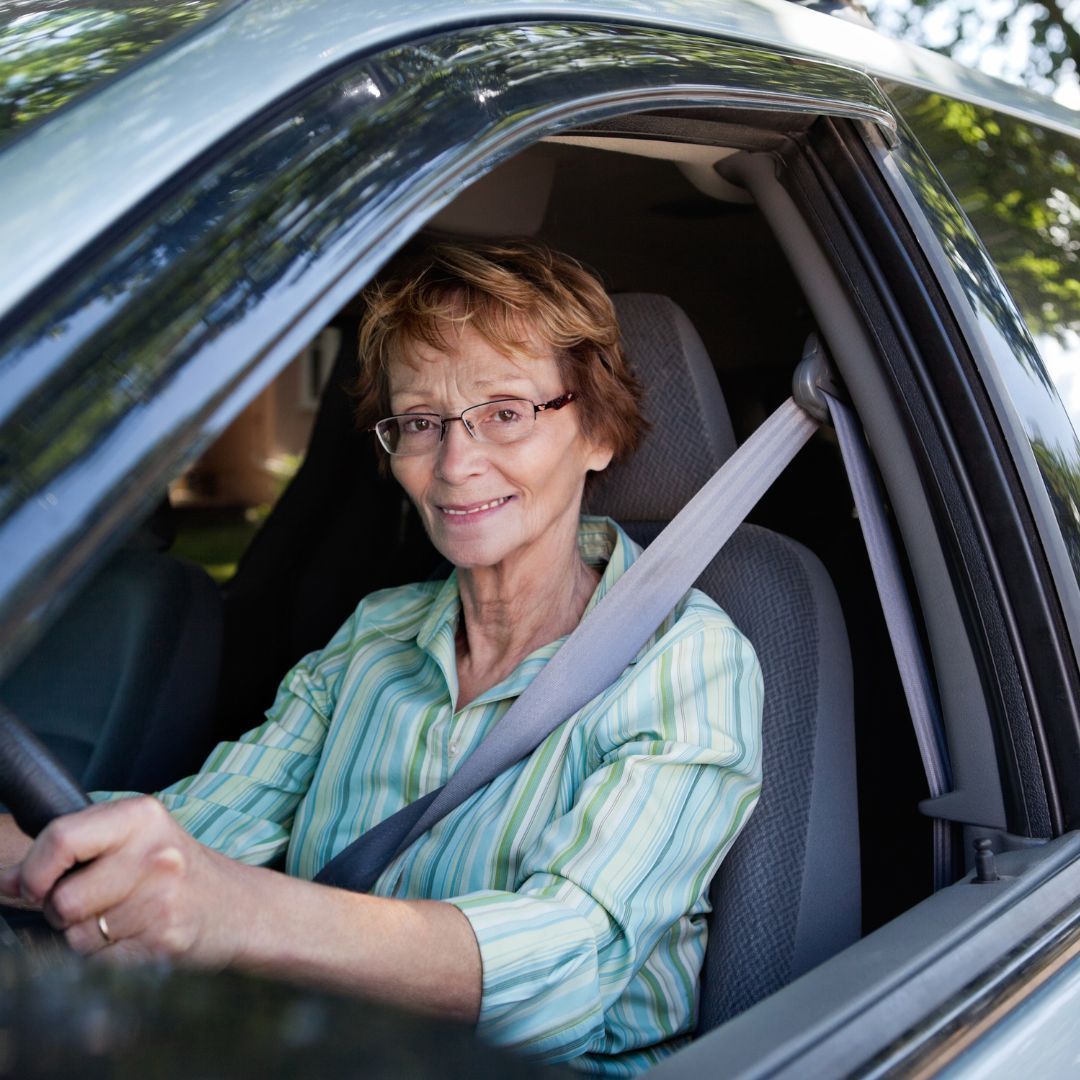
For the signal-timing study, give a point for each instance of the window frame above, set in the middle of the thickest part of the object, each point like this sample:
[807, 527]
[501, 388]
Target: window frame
[104, 309]
[1041, 595]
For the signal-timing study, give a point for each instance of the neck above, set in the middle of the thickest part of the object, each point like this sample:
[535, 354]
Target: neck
[510, 610]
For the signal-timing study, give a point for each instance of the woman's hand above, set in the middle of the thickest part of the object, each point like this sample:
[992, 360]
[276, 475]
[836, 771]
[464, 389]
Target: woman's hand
[123, 878]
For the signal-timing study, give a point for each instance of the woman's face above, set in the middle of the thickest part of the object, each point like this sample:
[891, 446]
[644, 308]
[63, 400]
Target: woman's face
[482, 503]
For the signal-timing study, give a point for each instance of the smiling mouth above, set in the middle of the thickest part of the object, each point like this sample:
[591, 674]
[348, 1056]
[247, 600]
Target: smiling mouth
[466, 511]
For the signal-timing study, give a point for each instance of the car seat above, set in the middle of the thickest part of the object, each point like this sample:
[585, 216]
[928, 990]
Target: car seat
[338, 532]
[121, 688]
[787, 896]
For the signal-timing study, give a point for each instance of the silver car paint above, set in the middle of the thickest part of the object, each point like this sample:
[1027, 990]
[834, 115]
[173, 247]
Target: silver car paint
[81, 172]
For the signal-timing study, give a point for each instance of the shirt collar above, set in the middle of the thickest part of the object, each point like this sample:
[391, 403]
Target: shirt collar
[434, 626]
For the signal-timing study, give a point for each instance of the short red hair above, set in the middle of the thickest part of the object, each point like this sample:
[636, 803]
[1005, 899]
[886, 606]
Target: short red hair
[510, 292]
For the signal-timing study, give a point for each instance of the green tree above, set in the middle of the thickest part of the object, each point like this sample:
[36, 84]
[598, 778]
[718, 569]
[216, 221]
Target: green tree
[1035, 44]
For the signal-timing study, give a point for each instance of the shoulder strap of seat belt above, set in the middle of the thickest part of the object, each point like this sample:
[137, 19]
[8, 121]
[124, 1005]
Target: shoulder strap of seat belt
[911, 661]
[601, 646]
[611, 635]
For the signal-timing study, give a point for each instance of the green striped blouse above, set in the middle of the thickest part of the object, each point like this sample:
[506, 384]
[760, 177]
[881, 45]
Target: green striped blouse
[583, 869]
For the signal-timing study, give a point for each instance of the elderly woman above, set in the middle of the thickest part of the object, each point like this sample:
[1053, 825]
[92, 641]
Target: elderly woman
[562, 906]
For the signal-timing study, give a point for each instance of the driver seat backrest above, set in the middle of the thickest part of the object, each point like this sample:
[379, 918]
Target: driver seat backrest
[787, 895]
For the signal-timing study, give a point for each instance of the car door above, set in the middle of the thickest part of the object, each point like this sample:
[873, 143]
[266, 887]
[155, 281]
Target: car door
[139, 332]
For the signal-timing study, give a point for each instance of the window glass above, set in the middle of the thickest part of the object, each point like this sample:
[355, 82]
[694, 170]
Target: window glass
[1019, 185]
[223, 498]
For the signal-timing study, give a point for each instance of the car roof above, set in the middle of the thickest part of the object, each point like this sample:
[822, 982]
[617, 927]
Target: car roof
[88, 164]
[53, 51]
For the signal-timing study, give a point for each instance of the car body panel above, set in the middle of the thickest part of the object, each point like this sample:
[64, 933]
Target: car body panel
[51, 53]
[84, 173]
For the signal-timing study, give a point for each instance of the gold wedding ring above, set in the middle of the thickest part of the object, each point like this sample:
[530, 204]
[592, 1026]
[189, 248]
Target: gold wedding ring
[103, 926]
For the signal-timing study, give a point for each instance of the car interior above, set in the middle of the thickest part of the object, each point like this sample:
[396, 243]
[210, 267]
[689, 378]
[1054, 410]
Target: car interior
[160, 663]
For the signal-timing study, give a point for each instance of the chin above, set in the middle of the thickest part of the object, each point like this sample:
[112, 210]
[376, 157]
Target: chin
[473, 556]
[470, 553]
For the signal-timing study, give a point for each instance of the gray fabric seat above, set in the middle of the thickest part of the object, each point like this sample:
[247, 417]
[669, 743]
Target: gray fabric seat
[787, 896]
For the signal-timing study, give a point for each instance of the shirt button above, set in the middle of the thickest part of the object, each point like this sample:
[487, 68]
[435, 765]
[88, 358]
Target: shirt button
[453, 747]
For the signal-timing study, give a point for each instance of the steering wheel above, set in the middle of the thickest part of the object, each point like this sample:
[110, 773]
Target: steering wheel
[35, 786]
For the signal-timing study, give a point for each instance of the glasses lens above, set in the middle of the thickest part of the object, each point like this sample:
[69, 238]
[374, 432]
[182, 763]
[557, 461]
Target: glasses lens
[415, 434]
[501, 421]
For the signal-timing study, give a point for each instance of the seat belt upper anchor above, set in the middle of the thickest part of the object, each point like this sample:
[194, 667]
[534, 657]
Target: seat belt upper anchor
[814, 377]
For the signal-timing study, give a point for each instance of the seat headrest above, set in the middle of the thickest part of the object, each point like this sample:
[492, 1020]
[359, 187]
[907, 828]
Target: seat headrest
[691, 434]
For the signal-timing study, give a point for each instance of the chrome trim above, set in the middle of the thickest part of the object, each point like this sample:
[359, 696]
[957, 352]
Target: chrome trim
[958, 1023]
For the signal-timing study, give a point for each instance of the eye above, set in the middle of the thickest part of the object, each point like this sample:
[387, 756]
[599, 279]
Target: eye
[503, 413]
[416, 425]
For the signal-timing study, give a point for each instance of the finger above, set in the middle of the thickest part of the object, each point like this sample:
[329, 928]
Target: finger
[11, 889]
[9, 882]
[145, 924]
[124, 954]
[108, 882]
[88, 937]
[81, 837]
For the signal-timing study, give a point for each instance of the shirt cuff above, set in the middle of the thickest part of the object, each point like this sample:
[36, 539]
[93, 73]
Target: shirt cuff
[541, 988]
[252, 840]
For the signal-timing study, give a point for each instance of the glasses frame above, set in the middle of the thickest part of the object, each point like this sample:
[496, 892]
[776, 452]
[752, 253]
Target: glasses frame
[554, 405]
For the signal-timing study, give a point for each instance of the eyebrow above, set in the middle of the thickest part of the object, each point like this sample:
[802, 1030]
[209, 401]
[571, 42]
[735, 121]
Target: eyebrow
[482, 385]
[485, 384]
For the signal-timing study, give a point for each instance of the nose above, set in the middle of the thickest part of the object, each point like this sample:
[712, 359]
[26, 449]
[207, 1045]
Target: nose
[459, 455]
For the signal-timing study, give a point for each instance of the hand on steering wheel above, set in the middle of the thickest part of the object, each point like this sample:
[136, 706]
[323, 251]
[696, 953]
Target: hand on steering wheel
[122, 877]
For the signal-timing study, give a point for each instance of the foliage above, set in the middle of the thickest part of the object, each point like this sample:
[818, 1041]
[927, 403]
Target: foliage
[1063, 484]
[1019, 184]
[1037, 44]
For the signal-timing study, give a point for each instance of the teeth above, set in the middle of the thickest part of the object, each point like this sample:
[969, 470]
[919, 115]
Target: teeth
[475, 509]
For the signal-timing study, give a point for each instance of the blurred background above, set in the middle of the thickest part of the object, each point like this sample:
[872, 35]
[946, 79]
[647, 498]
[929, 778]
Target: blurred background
[1036, 45]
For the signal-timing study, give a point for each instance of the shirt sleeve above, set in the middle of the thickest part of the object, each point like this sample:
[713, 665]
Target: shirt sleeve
[243, 799]
[619, 883]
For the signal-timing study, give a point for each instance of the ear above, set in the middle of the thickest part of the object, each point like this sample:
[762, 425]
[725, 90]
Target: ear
[599, 458]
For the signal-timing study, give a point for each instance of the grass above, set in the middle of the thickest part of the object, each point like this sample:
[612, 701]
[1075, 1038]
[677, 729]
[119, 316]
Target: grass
[215, 542]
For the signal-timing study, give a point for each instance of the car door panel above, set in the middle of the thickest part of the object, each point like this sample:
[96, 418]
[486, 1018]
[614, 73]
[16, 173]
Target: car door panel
[893, 1003]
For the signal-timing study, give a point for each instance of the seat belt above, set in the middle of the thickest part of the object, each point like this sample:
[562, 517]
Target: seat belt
[900, 620]
[610, 636]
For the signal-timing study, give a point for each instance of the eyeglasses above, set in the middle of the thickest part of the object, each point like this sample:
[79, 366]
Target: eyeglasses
[506, 420]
